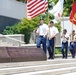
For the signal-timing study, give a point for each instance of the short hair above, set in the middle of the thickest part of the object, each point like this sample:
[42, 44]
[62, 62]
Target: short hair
[73, 31]
[65, 30]
[51, 22]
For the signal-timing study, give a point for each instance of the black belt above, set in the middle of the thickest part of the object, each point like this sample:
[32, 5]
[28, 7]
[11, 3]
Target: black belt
[41, 36]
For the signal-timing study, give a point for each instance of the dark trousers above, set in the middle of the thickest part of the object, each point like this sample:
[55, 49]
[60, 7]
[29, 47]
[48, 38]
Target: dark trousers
[72, 50]
[65, 49]
[75, 47]
[50, 47]
[41, 40]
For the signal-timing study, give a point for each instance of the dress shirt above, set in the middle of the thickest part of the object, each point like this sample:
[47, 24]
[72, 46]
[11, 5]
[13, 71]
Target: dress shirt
[53, 31]
[64, 38]
[42, 29]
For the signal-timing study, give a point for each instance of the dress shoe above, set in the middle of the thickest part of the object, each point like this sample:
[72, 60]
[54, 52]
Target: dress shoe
[49, 57]
[52, 58]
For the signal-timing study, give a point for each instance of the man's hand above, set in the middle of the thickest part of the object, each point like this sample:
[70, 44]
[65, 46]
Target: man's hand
[34, 31]
[50, 37]
[72, 41]
[45, 36]
[63, 36]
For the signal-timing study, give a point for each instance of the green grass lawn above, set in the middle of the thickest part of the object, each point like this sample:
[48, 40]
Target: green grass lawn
[58, 51]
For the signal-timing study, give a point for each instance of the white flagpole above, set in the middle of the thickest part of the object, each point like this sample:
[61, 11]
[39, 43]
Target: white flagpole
[72, 20]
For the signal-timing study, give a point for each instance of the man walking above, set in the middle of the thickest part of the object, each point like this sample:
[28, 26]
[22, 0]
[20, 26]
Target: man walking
[72, 43]
[42, 32]
[53, 31]
[75, 44]
[65, 38]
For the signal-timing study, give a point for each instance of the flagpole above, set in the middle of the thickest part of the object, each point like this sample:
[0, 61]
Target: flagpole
[26, 8]
[72, 20]
[48, 13]
[72, 26]
[63, 21]
[63, 17]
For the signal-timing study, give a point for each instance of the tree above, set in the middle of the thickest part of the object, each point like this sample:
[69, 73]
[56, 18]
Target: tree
[24, 27]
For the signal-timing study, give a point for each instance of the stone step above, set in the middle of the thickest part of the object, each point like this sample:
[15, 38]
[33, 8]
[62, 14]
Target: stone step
[73, 73]
[51, 67]
[59, 71]
[33, 63]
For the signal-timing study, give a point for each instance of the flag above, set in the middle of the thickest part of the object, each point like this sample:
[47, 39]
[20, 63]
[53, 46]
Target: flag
[36, 7]
[57, 9]
[73, 13]
[46, 5]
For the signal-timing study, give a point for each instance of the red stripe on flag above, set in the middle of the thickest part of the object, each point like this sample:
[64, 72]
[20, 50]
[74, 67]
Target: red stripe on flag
[34, 3]
[46, 4]
[37, 11]
[36, 7]
[37, 14]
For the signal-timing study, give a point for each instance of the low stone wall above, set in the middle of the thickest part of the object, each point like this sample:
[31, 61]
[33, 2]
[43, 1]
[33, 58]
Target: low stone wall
[20, 54]
[15, 40]
[17, 36]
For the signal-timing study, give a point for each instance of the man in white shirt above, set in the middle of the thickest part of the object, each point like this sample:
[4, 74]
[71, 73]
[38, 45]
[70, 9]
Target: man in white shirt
[72, 43]
[53, 31]
[42, 32]
[65, 38]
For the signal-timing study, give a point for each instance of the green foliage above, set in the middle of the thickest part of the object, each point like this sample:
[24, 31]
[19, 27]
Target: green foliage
[24, 27]
[58, 51]
[11, 30]
[67, 7]
[27, 26]
[58, 26]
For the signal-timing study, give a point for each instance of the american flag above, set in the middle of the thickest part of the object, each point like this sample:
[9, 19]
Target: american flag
[36, 7]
